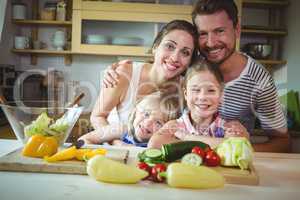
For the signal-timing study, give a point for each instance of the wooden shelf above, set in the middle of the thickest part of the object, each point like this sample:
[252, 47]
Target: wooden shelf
[113, 50]
[41, 51]
[42, 22]
[273, 62]
[33, 52]
[265, 3]
[264, 32]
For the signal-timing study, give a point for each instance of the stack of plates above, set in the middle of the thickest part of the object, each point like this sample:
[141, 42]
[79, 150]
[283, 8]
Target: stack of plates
[96, 39]
[130, 41]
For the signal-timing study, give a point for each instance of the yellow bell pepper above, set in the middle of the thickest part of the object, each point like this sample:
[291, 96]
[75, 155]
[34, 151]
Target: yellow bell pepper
[80, 154]
[39, 146]
[181, 175]
[88, 155]
[73, 153]
[107, 170]
[65, 154]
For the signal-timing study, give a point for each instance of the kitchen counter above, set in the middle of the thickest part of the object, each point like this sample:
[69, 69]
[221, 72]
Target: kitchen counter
[279, 179]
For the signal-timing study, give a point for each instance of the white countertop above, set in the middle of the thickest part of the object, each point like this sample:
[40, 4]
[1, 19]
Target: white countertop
[279, 179]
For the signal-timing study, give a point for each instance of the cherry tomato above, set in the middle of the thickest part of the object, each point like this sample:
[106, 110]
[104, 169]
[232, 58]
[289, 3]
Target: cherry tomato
[199, 151]
[155, 172]
[212, 159]
[146, 167]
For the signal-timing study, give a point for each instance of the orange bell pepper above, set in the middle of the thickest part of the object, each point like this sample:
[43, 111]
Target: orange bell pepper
[39, 146]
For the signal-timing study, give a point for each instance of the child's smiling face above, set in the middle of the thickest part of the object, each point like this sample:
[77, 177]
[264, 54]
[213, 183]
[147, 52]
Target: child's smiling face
[203, 94]
[148, 119]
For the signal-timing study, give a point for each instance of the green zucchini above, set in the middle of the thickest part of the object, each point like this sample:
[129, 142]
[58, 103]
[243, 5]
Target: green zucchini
[174, 151]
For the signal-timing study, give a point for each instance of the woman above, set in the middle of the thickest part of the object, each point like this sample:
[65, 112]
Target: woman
[173, 50]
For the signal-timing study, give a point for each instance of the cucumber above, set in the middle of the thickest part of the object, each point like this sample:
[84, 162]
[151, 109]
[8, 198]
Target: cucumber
[153, 153]
[191, 159]
[174, 151]
[151, 156]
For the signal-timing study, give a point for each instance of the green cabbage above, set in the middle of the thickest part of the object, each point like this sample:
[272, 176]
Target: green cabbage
[235, 151]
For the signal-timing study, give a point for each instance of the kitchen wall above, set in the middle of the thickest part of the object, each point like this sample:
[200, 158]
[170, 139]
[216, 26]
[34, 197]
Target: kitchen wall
[292, 47]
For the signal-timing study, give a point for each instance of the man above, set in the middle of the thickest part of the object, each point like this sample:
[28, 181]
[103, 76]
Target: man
[249, 89]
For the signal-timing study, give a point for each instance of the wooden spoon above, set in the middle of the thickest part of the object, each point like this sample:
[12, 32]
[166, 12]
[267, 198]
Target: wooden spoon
[2, 99]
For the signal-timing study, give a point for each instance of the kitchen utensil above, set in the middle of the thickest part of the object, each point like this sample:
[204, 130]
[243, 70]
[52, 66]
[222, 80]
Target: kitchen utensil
[19, 11]
[14, 161]
[21, 42]
[130, 41]
[59, 40]
[21, 116]
[96, 39]
[258, 51]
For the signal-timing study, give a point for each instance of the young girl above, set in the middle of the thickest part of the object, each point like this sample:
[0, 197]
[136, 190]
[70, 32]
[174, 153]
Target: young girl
[203, 87]
[148, 116]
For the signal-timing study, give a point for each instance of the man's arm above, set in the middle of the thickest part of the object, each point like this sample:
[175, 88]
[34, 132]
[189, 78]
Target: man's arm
[279, 141]
[111, 76]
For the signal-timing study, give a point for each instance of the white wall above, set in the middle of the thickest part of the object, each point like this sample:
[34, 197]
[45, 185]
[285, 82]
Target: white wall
[6, 57]
[292, 45]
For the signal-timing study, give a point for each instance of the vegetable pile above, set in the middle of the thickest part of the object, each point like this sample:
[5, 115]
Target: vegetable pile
[193, 170]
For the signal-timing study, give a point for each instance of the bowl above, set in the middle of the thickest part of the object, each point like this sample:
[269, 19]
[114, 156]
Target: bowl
[96, 39]
[127, 41]
[258, 51]
[30, 118]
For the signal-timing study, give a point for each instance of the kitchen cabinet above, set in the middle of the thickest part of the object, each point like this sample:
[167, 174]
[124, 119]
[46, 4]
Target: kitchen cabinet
[268, 26]
[128, 15]
[35, 25]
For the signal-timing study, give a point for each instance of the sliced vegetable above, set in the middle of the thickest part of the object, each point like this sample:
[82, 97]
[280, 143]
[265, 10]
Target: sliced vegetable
[188, 176]
[103, 169]
[40, 146]
[153, 153]
[236, 151]
[174, 151]
[151, 156]
[192, 159]
[65, 154]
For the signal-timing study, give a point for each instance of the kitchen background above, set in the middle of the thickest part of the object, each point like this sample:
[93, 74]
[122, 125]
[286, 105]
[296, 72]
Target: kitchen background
[79, 73]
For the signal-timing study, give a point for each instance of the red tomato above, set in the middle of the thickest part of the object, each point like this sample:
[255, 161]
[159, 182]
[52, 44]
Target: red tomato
[155, 172]
[146, 167]
[212, 159]
[199, 151]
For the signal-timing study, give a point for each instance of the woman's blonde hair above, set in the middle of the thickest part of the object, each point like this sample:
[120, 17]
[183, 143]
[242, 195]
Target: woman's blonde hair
[168, 104]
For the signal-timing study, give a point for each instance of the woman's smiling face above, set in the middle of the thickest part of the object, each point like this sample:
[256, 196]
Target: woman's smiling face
[174, 53]
[203, 94]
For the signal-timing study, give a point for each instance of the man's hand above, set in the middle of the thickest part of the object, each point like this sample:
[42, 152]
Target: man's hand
[111, 76]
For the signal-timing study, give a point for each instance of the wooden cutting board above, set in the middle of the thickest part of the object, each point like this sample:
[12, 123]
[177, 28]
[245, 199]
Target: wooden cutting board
[14, 161]
[237, 176]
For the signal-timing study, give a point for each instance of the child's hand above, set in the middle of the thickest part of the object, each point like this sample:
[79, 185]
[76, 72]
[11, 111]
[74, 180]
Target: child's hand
[120, 143]
[235, 129]
[180, 134]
